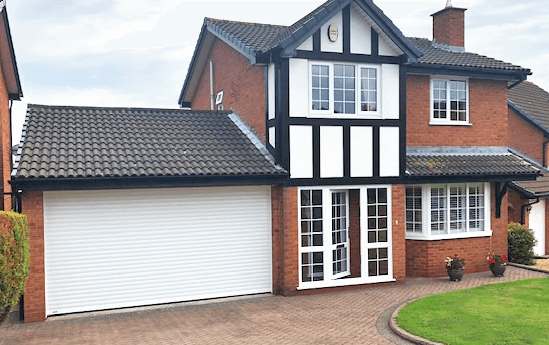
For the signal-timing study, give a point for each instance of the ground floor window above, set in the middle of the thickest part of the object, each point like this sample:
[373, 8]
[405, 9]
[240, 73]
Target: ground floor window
[453, 210]
[324, 235]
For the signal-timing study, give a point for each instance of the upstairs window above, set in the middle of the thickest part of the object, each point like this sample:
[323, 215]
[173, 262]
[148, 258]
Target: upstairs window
[344, 89]
[449, 101]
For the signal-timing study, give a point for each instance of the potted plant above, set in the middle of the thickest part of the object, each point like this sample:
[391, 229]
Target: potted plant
[497, 264]
[455, 267]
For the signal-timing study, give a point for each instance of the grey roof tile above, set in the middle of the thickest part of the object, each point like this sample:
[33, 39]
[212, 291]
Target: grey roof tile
[425, 165]
[86, 142]
[533, 101]
[438, 55]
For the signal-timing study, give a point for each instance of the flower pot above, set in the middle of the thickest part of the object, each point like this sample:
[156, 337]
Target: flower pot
[455, 274]
[498, 270]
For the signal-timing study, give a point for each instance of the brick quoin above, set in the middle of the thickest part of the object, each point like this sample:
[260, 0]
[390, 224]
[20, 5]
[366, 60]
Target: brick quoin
[35, 291]
[243, 86]
[487, 115]
[426, 258]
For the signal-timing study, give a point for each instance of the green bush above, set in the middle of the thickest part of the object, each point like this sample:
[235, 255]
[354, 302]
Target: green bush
[14, 257]
[521, 242]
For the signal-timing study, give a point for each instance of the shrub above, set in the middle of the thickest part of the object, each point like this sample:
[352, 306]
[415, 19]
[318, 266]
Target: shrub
[14, 257]
[521, 242]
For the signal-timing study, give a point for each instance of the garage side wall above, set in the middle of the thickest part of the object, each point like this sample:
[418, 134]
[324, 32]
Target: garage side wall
[35, 292]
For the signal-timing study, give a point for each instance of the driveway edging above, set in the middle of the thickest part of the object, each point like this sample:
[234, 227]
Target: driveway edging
[402, 333]
[526, 267]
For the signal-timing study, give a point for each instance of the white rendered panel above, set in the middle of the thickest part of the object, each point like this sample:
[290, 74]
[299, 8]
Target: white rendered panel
[301, 152]
[121, 248]
[537, 223]
[299, 87]
[331, 151]
[272, 88]
[390, 91]
[385, 49]
[307, 45]
[360, 34]
[272, 136]
[389, 146]
[325, 44]
[361, 152]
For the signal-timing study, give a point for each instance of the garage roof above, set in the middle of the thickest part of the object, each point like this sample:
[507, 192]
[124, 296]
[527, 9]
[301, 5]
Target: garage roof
[95, 142]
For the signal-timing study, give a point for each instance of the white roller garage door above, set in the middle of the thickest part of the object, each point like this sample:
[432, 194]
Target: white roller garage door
[120, 248]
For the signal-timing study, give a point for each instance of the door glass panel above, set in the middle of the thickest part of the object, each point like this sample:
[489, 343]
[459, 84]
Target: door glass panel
[340, 243]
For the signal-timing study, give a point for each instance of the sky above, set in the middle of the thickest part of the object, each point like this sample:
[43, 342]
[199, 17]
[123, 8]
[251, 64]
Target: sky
[135, 53]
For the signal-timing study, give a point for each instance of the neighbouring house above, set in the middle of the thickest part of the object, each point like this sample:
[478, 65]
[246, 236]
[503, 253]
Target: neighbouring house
[354, 155]
[10, 90]
[529, 133]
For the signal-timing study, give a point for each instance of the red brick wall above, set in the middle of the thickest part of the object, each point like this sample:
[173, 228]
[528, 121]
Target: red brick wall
[290, 240]
[399, 222]
[487, 110]
[525, 137]
[5, 142]
[515, 205]
[34, 301]
[426, 258]
[243, 86]
[449, 27]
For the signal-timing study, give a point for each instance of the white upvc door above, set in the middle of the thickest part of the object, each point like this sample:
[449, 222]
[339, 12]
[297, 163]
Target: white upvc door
[537, 224]
[340, 234]
[121, 248]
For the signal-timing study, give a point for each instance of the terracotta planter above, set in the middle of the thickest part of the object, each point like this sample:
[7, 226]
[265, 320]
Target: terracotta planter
[497, 270]
[455, 274]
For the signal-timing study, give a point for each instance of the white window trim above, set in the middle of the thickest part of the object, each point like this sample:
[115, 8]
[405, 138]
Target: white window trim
[447, 121]
[330, 113]
[326, 190]
[426, 217]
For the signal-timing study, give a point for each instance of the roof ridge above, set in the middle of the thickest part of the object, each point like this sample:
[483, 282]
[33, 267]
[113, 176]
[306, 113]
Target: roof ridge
[243, 22]
[179, 110]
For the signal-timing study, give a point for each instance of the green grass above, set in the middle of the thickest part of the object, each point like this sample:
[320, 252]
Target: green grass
[506, 313]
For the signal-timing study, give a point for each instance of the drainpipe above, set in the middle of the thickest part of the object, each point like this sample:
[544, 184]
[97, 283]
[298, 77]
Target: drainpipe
[212, 99]
[544, 149]
[523, 211]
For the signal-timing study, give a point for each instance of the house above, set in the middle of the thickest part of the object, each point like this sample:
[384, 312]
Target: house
[10, 90]
[354, 155]
[529, 131]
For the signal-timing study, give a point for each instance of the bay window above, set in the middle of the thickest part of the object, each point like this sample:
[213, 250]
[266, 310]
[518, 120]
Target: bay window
[344, 89]
[455, 210]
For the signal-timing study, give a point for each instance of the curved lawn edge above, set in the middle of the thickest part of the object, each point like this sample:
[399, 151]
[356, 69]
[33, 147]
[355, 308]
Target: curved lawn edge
[393, 325]
[415, 339]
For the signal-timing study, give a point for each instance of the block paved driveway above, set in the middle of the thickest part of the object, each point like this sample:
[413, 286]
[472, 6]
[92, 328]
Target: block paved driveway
[329, 318]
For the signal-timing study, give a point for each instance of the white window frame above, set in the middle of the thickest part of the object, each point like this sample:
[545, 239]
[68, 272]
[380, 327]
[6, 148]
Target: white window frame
[426, 214]
[326, 248]
[358, 112]
[447, 120]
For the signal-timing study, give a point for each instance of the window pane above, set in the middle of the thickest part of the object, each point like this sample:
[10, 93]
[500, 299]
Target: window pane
[344, 89]
[368, 88]
[319, 87]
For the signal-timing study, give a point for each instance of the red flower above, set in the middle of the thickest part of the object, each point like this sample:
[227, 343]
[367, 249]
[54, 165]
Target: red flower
[505, 257]
[493, 261]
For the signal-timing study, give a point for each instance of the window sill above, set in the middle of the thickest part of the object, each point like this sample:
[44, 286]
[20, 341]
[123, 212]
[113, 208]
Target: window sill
[450, 123]
[345, 282]
[450, 237]
[375, 116]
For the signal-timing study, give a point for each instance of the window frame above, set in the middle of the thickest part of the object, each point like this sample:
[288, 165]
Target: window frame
[447, 120]
[426, 233]
[330, 112]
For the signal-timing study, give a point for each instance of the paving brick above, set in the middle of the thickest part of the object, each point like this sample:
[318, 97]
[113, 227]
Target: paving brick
[332, 318]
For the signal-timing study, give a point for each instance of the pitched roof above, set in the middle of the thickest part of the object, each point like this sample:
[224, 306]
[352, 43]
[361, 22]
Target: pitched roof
[536, 188]
[466, 162]
[438, 54]
[90, 142]
[532, 101]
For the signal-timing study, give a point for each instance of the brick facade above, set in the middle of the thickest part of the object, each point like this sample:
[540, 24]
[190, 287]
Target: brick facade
[519, 129]
[35, 290]
[426, 258]
[399, 228]
[5, 142]
[243, 86]
[487, 109]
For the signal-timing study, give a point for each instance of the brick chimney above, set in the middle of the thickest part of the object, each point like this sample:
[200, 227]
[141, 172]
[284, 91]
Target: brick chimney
[449, 26]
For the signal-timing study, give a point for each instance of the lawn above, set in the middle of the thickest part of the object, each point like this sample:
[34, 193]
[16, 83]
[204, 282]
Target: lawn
[507, 313]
